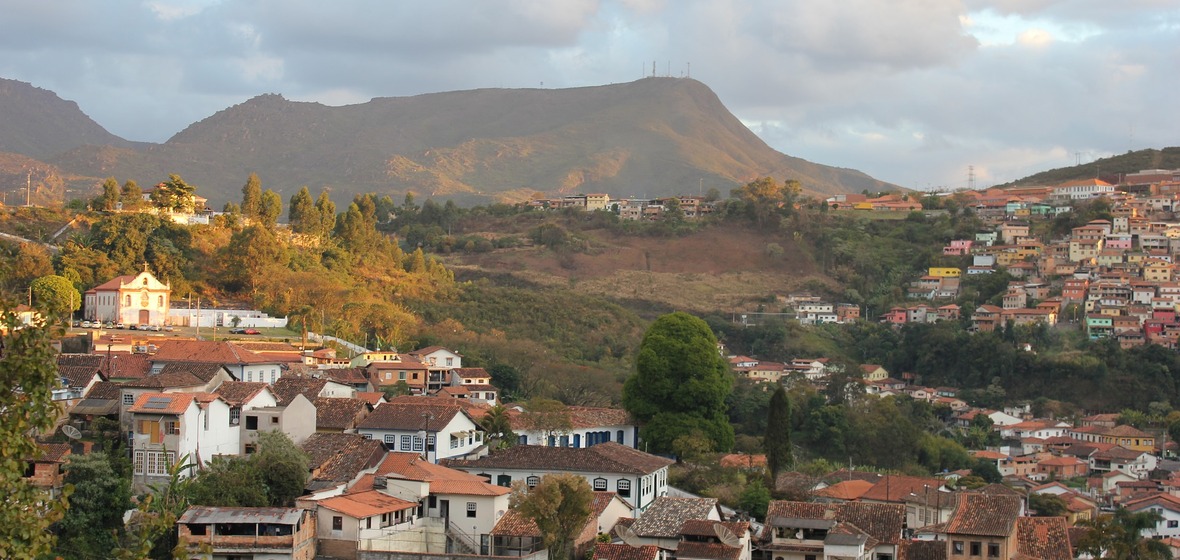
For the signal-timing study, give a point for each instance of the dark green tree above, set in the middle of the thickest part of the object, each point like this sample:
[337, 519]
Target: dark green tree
[56, 295]
[284, 468]
[1047, 505]
[109, 200]
[327, 212]
[498, 426]
[270, 207]
[93, 525]
[680, 384]
[755, 499]
[131, 195]
[1120, 537]
[777, 441]
[229, 482]
[174, 195]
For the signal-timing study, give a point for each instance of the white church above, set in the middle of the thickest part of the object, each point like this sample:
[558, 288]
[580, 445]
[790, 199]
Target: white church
[132, 300]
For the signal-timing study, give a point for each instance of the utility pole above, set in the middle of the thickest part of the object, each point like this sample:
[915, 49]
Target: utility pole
[29, 188]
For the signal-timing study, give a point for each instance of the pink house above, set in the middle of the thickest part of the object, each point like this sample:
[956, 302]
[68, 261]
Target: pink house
[895, 316]
[958, 247]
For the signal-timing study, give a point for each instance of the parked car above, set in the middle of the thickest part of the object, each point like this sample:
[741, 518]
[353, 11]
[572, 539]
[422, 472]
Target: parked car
[237, 331]
[121, 326]
[252, 331]
[87, 324]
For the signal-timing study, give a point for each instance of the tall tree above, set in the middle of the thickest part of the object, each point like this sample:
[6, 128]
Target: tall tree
[498, 425]
[93, 525]
[284, 467]
[1120, 537]
[270, 208]
[109, 200]
[252, 196]
[680, 384]
[302, 213]
[174, 195]
[560, 506]
[56, 295]
[32, 261]
[130, 195]
[327, 210]
[28, 373]
[778, 433]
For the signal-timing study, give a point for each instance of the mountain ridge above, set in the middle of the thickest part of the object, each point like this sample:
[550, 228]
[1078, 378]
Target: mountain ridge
[655, 136]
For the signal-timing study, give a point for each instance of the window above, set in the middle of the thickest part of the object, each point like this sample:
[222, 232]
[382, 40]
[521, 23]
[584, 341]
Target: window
[235, 416]
[470, 509]
[127, 301]
[405, 443]
[390, 439]
[450, 361]
[624, 488]
[993, 550]
[197, 530]
[976, 548]
[600, 484]
[401, 376]
[415, 377]
[368, 436]
[417, 443]
[504, 480]
[274, 419]
[251, 422]
[251, 448]
[160, 301]
[532, 481]
[957, 547]
[337, 523]
[430, 443]
[1172, 523]
[153, 463]
[249, 376]
[619, 436]
[128, 399]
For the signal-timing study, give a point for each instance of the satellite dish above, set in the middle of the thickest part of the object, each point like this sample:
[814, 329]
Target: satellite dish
[628, 535]
[71, 432]
[726, 536]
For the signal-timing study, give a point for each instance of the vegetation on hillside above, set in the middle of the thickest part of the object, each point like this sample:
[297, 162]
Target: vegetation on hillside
[1108, 168]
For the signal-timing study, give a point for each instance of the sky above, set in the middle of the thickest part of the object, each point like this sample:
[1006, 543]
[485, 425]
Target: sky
[920, 93]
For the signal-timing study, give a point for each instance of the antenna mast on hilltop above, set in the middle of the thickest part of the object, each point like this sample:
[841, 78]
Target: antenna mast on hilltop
[653, 68]
[971, 177]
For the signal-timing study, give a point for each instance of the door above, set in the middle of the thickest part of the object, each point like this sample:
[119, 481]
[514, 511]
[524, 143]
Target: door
[444, 509]
[145, 316]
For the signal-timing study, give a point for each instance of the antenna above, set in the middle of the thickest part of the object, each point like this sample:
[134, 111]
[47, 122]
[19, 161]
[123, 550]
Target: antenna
[653, 68]
[971, 177]
[689, 69]
[628, 536]
[726, 536]
[71, 432]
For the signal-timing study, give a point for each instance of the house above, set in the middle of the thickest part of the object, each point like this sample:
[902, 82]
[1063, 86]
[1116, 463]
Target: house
[1059, 468]
[515, 535]
[635, 476]
[179, 377]
[336, 459]
[346, 521]
[296, 418]
[613, 551]
[661, 522]
[334, 414]
[1122, 435]
[702, 539]
[589, 426]
[243, 364]
[983, 526]
[311, 387]
[138, 299]
[439, 428]
[929, 507]
[79, 373]
[228, 532]
[1135, 463]
[246, 396]
[171, 426]
[395, 369]
[894, 489]
[45, 470]
[806, 531]
[874, 372]
[1167, 506]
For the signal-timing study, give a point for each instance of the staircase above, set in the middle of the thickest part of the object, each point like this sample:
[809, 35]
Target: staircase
[459, 542]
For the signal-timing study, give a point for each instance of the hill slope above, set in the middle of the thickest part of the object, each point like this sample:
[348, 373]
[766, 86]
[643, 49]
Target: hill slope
[39, 124]
[655, 136]
[1110, 169]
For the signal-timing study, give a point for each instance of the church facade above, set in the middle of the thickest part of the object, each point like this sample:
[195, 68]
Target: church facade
[132, 300]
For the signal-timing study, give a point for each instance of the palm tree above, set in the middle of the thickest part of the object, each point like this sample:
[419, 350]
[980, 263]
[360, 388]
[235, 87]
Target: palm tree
[1121, 537]
[498, 425]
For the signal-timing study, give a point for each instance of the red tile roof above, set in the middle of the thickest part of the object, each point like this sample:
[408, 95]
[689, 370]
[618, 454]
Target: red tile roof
[1043, 538]
[607, 457]
[169, 403]
[982, 514]
[237, 393]
[366, 504]
[611, 551]
[207, 351]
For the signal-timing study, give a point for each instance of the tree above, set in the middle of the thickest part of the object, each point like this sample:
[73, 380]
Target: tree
[498, 426]
[327, 213]
[302, 214]
[270, 208]
[755, 499]
[680, 384]
[283, 466]
[110, 195]
[560, 507]
[32, 261]
[93, 525]
[1047, 505]
[174, 195]
[130, 195]
[252, 196]
[778, 433]
[547, 416]
[56, 295]
[229, 482]
[28, 373]
[1120, 537]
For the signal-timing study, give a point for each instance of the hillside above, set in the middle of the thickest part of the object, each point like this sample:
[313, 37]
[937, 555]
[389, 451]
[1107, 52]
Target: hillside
[39, 124]
[652, 137]
[1110, 169]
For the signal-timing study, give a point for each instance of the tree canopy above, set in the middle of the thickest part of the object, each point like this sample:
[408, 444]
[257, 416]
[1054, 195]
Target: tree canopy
[680, 384]
[560, 506]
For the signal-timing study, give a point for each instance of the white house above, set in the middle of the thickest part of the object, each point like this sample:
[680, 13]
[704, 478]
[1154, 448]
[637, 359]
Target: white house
[635, 476]
[588, 426]
[439, 428]
[803, 530]
[1135, 463]
[138, 299]
[172, 426]
[242, 363]
[1167, 506]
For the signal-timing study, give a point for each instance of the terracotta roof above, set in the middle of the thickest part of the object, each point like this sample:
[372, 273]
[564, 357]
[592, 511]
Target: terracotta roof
[607, 457]
[286, 387]
[602, 499]
[162, 403]
[105, 390]
[114, 283]
[593, 417]
[470, 373]
[883, 522]
[846, 490]
[664, 516]
[165, 381]
[442, 479]
[705, 527]
[894, 488]
[366, 504]
[743, 461]
[124, 365]
[845, 474]
[347, 376]
[430, 350]
[695, 550]
[333, 413]
[473, 409]
[982, 514]
[997, 489]
[237, 393]
[205, 371]
[611, 551]
[207, 351]
[338, 457]
[53, 452]
[400, 415]
[1163, 500]
[371, 397]
[513, 524]
[1043, 538]
[923, 550]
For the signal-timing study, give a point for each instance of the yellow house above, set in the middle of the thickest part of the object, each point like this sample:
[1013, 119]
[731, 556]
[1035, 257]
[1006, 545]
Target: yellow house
[945, 272]
[1156, 270]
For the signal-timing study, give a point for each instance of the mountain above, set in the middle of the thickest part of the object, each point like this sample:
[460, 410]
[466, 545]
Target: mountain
[1109, 168]
[652, 137]
[39, 124]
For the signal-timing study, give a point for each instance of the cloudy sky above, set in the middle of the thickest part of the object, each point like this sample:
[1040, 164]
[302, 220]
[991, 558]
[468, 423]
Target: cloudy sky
[910, 91]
